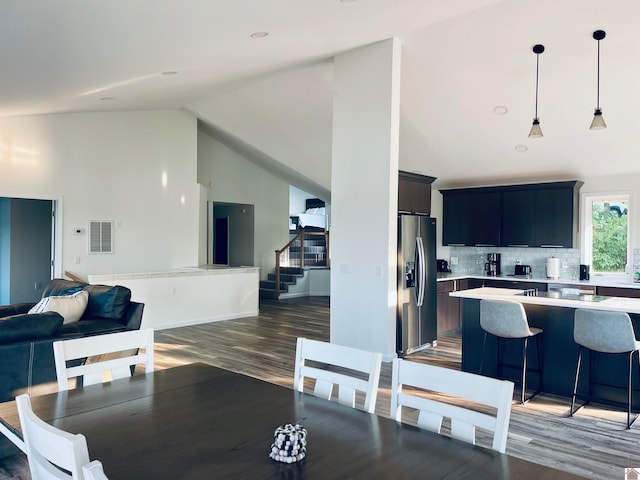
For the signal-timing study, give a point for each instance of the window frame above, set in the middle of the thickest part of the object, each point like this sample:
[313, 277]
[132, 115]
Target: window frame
[586, 252]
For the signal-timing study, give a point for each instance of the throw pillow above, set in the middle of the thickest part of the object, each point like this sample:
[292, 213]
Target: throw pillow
[71, 307]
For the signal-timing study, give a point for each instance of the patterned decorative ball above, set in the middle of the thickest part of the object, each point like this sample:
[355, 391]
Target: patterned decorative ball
[289, 443]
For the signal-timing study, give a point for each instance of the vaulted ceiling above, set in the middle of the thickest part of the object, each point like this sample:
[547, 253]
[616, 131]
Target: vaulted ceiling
[271, 97]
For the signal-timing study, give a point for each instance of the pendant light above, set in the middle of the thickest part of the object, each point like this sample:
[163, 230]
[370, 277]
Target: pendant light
[598, 122]
[536, 131]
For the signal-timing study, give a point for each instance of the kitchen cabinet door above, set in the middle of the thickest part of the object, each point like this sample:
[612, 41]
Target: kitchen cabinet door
[455, 219]
[555, 217]
[414, 194]
[485, 218]
[448, 308]
[519, 218]
[471, 218]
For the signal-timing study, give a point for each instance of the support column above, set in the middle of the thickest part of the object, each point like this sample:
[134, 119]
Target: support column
[364, 197]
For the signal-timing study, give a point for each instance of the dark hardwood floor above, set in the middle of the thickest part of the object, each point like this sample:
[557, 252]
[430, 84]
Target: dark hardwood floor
[594, 443]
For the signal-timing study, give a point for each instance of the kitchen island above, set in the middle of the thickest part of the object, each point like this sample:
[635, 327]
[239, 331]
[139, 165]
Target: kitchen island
[559, 351]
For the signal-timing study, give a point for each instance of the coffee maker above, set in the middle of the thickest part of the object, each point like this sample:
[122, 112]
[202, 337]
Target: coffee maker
[492, 267]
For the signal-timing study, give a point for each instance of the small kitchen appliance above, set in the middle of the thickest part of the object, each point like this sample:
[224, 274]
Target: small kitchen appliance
[553, 268]
[492, 267]
[442, 266]
[584, 272]
[522, 271]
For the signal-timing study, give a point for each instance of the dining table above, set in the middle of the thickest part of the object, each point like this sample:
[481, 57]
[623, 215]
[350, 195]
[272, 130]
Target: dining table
[198, 421]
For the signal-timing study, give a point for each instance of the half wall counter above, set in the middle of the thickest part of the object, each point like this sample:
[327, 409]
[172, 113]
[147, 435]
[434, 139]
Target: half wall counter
[559, 351]
[191, 295]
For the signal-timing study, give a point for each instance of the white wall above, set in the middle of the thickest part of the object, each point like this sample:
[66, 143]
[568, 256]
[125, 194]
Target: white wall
[231, 178]
[364, 195]
[135, 168]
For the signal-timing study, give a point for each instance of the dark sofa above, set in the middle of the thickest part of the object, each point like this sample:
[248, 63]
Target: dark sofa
[26, 340]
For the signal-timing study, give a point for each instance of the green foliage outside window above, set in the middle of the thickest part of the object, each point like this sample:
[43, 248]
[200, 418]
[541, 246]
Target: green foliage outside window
[609, 239]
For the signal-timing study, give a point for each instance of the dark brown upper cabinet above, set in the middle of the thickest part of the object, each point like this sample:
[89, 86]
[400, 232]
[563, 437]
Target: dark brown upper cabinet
[414, 193]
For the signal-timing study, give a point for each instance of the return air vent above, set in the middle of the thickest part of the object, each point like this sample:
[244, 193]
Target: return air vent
[100, 236]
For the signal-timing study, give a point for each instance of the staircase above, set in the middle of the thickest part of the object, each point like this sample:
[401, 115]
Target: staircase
[288, 277]
[304, 250]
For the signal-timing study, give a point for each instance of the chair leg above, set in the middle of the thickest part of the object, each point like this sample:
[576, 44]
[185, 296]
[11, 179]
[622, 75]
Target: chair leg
[575, 384]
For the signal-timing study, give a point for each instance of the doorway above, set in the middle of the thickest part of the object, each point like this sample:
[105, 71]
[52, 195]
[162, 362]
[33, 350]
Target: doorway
[231, 234]
[221, 241]
[27, 248]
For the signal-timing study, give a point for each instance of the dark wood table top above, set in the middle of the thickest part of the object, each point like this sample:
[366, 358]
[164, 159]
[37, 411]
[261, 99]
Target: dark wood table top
[200, 422]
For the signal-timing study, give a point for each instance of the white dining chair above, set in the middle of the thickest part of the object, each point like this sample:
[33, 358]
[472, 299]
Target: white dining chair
[426, 380]
[128, 344]
[50, 451]
[94, 471]
[330, 365]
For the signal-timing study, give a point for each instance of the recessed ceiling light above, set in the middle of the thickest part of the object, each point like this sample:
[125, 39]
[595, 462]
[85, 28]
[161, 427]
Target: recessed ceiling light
[521, 148]
[107, 98]
[259, 34]
[500, 110]
[170, 72]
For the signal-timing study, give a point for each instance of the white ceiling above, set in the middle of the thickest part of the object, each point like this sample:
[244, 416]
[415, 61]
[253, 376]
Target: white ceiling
[272, 97]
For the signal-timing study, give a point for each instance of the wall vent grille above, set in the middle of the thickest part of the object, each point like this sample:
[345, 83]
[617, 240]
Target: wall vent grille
[100, 236]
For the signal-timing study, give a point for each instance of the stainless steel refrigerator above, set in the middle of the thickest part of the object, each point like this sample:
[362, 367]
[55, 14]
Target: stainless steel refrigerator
[417, 315]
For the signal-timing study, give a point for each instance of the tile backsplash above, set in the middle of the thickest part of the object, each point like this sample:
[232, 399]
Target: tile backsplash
[471, 260]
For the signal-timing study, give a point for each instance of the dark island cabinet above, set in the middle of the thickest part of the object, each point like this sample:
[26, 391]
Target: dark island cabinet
[531, 215]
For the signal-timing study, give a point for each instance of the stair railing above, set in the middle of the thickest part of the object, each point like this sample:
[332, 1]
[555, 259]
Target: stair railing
[307, 257]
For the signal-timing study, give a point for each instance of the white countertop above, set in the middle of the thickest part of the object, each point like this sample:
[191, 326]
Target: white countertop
[595, 281]
[629, 305]
[176, 272]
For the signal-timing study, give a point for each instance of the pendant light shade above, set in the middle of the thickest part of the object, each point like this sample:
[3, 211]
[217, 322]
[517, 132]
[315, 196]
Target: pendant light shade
[598, 122]
[536, 131]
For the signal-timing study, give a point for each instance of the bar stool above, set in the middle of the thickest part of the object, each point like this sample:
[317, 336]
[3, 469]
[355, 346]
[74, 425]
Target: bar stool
[508, 320]
[605, 332]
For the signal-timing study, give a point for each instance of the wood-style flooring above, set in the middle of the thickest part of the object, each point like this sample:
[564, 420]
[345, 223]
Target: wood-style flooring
[594, 443]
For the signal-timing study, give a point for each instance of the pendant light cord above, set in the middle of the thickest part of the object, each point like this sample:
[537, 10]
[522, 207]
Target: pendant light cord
[598, 80]
[537, 69]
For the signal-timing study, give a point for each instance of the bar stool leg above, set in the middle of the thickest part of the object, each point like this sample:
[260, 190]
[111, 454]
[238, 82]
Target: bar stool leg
[629, 391]
[524, 367]
[540, 374]
[575, 384]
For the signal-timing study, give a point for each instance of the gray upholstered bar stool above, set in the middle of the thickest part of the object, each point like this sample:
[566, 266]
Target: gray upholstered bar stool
[508, 320]
[605, 332]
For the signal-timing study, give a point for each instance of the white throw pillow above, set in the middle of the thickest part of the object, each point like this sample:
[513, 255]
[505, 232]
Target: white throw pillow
[71, 307]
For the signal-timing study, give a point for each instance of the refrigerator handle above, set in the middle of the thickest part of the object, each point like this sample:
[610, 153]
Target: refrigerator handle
[420, 272]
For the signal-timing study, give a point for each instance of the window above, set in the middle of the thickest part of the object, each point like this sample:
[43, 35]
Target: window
[606, 233]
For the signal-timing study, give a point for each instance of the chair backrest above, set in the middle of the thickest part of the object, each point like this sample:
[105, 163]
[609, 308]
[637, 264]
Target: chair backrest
[504, 319]
[482, 391]
[604, 331]
[49, 447]
[338, 365]
[125, 344]
[93, 471]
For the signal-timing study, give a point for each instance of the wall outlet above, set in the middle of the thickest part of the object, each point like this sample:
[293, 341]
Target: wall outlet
[454, 260]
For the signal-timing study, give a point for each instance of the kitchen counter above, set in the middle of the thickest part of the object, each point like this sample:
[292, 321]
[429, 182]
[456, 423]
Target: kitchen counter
[559, 352]
[618, 304]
